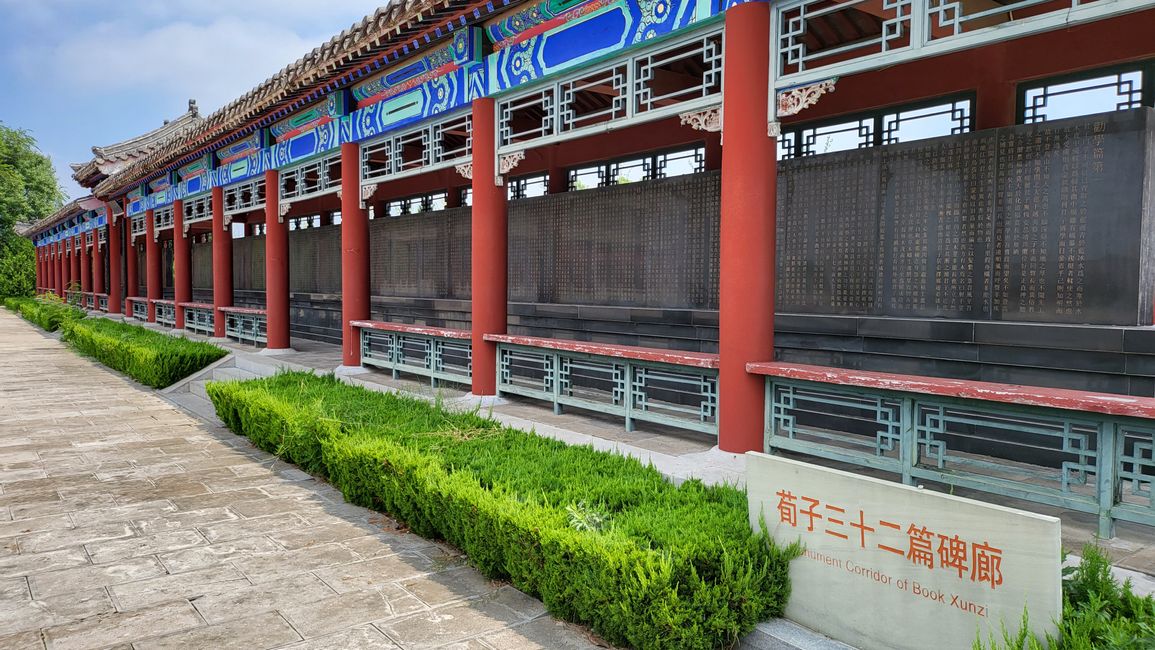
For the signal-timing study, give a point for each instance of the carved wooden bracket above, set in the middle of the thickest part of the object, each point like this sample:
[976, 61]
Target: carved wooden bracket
[367, 191]
[506, 164]
[283, 210]
[709, 120]
[792, 101]
[466, 170]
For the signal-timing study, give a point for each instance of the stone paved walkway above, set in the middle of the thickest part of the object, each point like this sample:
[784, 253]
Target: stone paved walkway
[126, 523]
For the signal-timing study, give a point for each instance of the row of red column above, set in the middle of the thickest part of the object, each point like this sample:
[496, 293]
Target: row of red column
[746, 277]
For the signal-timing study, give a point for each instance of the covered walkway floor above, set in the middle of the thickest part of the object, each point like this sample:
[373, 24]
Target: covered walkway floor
[124, 520]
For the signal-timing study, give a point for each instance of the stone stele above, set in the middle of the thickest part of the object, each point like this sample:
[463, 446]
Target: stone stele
[889, 566]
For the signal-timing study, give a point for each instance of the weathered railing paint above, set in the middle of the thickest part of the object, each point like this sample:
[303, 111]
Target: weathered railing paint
[139, 308]
[198, 317]
[679, 389]
[245, 324]
[165, 312]
[1088, 452]
[440, 354]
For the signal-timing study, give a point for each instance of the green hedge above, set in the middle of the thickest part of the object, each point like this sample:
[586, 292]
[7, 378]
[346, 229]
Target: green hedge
[152, 358]
[600, 538]
[47, 313]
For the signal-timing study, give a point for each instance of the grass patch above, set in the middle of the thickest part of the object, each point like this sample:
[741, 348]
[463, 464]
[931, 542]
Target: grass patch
[48, 313]
[601, 539]
[152, 358]
[1098, 612]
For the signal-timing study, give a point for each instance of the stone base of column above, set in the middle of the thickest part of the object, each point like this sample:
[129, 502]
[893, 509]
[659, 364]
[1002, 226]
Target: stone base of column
[220, 339]
[349, 371]
[175, 331]
[483, 401]
[276, 352]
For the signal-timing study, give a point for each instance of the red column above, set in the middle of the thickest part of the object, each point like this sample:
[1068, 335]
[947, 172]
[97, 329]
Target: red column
[74, 261]
[114, 240]
[132, 274]
[276, 265]
[60, 282]
[97, 265]
[39, 261]
[152, 264]
[354, 254]
[489, 226]
[746, 273]
[181, 254]
[85, 265]
[222, 262]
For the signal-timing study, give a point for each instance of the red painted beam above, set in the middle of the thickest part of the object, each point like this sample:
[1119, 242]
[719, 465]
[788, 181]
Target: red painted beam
[657, 355]
[442, 332]
[1059, 398]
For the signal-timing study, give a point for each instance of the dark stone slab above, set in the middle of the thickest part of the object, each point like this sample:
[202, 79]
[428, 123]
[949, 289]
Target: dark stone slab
[816, 324]
[1046, 357]
[926, 349]
[920, 329]
[1105, 339]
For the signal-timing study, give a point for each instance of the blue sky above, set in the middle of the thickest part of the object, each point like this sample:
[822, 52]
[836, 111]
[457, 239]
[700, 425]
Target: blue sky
[78, 73]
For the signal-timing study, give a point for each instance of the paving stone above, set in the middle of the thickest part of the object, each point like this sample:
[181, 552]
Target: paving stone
[445, 587]
[246, 527]
[14, 590]
[54, 610]
[36, 524]
[217, 499]
[87, 577]
[189, 586]
[22, 641]
[120, 627]
[262, 507]
[200, 557]
[253, 599]
[449, 624]
[543, 633]
[262, 631]
[177, 520]
[54, 539]
[102, 552]
[352, 609]
[274, 566]
[32, 563]
[378, 571]
[371, 546]
[365, 637]
[314, 535]
[63, 506]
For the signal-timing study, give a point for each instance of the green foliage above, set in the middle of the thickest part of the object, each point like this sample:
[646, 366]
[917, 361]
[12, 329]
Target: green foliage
[1098, 612]
[28, 188]
[152, 358]
[48, 312]
[17, 267]
[600, 538]
[28, 192]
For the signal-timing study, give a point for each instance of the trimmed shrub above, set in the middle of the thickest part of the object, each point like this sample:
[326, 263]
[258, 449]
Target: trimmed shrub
[1098, 612]
[49, 312]
[600, 538]
[152, 358]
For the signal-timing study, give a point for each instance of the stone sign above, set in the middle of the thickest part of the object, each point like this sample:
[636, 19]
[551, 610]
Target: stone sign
[890, 566]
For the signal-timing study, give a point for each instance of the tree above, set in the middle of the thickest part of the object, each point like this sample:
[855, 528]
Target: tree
[28, 192]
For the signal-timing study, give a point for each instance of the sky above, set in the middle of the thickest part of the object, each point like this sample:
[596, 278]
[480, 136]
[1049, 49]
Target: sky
[78, 73]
